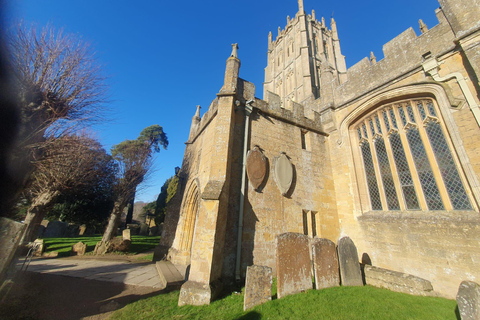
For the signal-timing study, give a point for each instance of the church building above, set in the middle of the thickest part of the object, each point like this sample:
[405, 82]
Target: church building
[386, 152]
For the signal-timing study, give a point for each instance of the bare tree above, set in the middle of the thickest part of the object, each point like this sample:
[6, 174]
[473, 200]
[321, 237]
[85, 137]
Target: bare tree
[134, 159]
[59, 86]
[65, 163]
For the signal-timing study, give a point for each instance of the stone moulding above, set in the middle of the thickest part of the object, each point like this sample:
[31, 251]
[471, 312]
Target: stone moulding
[283, 173]
[256, 167]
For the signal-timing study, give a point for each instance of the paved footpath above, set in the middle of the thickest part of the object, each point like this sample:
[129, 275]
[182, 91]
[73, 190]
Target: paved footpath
[138, 274]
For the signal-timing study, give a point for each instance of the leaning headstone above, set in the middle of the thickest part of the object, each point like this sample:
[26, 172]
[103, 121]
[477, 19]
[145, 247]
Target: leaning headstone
[468, 300]
[325, 264]
[126, 234]
[79, 249]
[82, 229]
[293, 264]
[258, 286]
[350, 273]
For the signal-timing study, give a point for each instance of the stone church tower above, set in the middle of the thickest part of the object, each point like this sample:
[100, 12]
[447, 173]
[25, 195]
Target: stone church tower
[304, 60]
[385, 152]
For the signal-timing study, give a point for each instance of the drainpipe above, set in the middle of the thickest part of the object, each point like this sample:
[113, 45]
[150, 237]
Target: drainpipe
[431, 65]
[248, 111]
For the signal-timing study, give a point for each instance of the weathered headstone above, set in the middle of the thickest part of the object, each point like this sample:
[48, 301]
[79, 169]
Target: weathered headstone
[38, 247]
[79, 248]
[143, 229]
[350, 274]
[55, 229]
[134, 229]
[325, 264]
[258, 286]
[72, 231]
[293, 264]
[82, 229]
[468, 300]
[126, 234]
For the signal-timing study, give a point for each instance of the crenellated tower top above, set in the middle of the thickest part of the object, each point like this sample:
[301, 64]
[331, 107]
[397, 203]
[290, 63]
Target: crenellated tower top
[304, 59]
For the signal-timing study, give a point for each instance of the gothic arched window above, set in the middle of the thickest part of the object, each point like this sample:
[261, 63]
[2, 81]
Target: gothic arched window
[407, 161]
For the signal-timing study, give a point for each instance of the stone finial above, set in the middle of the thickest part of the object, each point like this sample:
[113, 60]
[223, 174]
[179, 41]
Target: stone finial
[300, 6]
[373, 59]
[333, 25]
[234, 50]
[288, 19]
[423, 26]
[323, 21]
[279, 31]
[197, 113]
[313, 15]
[270, 37]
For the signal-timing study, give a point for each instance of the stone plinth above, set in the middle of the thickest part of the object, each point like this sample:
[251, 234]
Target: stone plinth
[293, 264]
[350, 273]
[258, 286]
[325, 264]
[468, 300]
[195, 294]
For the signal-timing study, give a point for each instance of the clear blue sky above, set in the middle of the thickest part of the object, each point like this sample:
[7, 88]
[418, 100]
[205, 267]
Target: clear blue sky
[165, 57]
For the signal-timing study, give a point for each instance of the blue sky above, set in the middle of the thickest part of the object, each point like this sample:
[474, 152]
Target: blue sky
[165, 57]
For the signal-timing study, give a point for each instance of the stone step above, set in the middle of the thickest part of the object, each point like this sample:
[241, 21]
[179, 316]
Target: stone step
[169, 273]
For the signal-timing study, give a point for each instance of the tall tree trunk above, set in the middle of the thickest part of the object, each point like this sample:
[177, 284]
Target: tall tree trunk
[35, 214]
[113, 222]
[131, 204]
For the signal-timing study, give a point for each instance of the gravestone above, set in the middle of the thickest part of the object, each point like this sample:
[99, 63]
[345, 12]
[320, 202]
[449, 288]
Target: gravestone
[258, 286]
[55, 229]
[293, 264]
[325, 264]
[350, 274]
[79, 248]
[468, 300]
[38, 247]
[82, 229]
[126, 234]
[143, 229]
[72, 231]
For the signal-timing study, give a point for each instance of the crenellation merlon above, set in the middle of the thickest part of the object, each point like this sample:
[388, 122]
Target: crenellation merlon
[296, 115]
[401, 54]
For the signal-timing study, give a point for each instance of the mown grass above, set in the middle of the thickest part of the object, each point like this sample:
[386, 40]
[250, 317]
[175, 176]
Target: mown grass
[64, 245]
[334, 303]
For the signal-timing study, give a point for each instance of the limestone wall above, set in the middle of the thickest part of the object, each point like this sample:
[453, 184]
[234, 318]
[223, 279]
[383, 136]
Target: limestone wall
[267, 212]
[439, 246]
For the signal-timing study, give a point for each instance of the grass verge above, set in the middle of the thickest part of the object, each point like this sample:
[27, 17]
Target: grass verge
[333, 303]
[64, 245]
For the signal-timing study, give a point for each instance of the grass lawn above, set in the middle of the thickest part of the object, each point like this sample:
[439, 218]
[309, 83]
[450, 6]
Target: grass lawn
[333, 303]
[64, 245]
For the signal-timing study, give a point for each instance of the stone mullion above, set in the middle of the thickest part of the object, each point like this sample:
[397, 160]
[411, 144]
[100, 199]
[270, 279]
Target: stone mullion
[411, 163]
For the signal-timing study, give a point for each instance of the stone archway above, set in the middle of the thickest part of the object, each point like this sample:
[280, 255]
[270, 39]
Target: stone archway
[181, 253]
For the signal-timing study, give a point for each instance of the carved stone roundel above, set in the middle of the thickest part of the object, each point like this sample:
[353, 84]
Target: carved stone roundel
[256, 167]
[283, 173]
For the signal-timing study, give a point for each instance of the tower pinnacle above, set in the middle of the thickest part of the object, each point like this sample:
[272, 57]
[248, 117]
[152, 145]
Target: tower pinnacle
[234, 50]
[300, 6]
